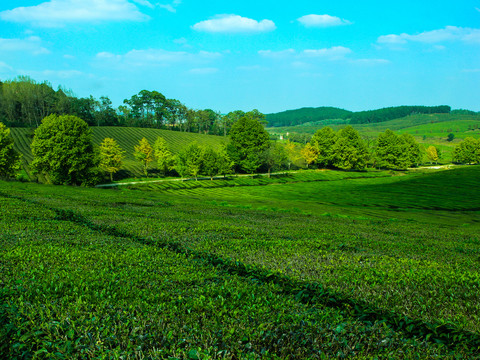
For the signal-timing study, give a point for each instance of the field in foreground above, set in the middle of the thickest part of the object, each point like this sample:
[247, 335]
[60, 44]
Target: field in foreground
[323, 266]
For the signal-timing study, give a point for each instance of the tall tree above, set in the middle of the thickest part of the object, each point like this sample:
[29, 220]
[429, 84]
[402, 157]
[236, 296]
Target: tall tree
[467, 152]
[309, 154]
[111, 156]
[432, 154]
[9, 158]
[274, 157]
[144, 153]
[194, 157]
[63, 150]
[248, 139]
[165, 158]
[322, 142]
[211, 162]
[350, 152]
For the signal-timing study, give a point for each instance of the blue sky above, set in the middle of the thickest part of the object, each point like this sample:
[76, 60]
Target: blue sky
[268, 55]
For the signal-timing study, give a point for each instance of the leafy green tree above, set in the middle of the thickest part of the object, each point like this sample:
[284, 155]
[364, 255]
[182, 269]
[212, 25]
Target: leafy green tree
[9, 158]
[432, 154]
[194, 159]
[411, 153]
[309, 154]
[111, 156]
[322, 142]
[450, 137]
[274, 157]
[248, 140]
[225, 163]
[164, 156]
[396, 152]
[467, 152]
[62, 149]
[180, 165]
[349, 150]
[211, 162]
[387, 150]
[144, 153]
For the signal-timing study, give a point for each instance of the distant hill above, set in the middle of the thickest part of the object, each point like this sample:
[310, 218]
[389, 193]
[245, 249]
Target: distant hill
[306, 115]
[127, 138]
[327, 115]
[396, 112]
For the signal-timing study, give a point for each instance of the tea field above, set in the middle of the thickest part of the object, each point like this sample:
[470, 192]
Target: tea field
[317, 265]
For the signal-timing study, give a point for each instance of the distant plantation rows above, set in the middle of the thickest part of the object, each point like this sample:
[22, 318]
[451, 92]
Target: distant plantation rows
[127, 138]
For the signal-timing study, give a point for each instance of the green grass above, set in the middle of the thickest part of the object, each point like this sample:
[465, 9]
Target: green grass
[326, 265]
[127, 139]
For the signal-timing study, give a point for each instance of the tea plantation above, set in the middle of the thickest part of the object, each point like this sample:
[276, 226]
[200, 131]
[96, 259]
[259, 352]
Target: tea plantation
[316, 265]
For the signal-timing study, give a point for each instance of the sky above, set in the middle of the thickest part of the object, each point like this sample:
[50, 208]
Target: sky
[243, 54]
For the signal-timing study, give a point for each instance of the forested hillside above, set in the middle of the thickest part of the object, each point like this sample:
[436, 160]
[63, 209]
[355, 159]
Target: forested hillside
[309, 115]
[304, 115]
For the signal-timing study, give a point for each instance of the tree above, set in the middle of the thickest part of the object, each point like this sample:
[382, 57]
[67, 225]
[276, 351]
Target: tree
[349, 150]
[144, 153]
[164, 156]
[450, 137]
[322, 143]
[226, 164]
[248, 140]
[396, 152]
[467, 152]
[210, 162]
[274, 157]
[432, 153]
[111, 156]
[309, 154]
[9, 158]
[194, 159]
[63, 150]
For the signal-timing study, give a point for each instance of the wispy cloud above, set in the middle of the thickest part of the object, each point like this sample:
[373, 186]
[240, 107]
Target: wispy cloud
[234, 24]
[333, 53]
[157, 57]
[277, 54]
[58, 13]
[449, 33]
[172, 7]
[322, 21]
[203, 71]
[32, 45]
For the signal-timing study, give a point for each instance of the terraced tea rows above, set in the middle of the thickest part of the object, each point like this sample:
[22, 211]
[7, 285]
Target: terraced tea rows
[127, 138]
[180, 274]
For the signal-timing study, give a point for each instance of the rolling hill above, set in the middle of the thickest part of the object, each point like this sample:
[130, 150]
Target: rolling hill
[127, 139]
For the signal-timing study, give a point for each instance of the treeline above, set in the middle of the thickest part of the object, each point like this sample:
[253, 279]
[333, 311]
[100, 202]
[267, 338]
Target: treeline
[305, 115]
[397, 112]
[25, 102]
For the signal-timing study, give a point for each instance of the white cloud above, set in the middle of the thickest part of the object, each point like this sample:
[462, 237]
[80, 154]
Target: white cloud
[276, 54]
[322, 21]
[203, 71]
[371, 62]
[144, 3]
[4, 67]
[333, 53]
[157, 57]
[55, 13]
[449, 33]
[31, 45]
[234, 24]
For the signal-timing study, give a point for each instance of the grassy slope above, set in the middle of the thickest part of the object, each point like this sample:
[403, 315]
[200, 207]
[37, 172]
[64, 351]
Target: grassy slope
[123, 285]
[127, 138]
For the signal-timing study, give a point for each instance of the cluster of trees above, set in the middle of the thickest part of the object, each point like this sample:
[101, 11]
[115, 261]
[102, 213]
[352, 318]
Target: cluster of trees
[25, 102]
[9, 158]
[467, 152]
[345, 149]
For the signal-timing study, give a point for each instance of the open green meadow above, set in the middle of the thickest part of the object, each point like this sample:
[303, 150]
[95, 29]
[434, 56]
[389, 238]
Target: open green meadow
[316, 264]
[127, 138]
